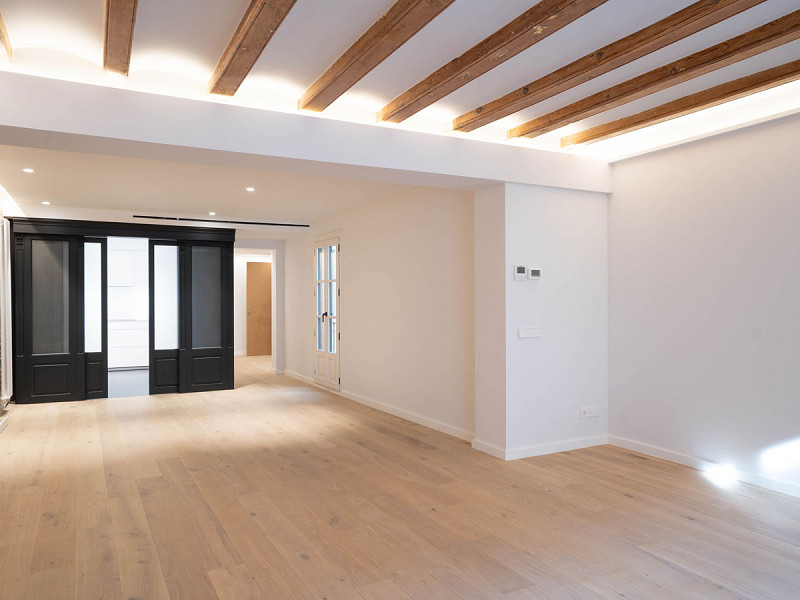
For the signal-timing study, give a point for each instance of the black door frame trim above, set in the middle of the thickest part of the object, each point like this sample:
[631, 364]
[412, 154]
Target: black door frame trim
[106, 229]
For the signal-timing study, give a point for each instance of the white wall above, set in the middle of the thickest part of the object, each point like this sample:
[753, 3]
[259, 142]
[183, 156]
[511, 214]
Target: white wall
[406, 306]
[128, 303]
[565, 234]
[240, 297]
[705, 303]
[490, 320]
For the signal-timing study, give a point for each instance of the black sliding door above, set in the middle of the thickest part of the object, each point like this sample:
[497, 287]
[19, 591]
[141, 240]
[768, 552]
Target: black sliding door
[49, 361]
[191, 325]
[60, 306]
[206, 358]
[165, 303]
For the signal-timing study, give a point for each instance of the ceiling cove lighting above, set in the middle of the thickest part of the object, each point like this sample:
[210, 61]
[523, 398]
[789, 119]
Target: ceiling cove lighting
[28, 170]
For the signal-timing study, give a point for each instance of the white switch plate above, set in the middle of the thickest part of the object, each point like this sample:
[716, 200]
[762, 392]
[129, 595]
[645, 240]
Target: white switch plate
[529, 332]
[590, 411]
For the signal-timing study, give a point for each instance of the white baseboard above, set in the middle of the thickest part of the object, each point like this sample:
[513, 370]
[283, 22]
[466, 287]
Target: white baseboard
[461, 434]
[489, 449]
[528, 451]
[302, 378]
[563, 446]
[774, 485]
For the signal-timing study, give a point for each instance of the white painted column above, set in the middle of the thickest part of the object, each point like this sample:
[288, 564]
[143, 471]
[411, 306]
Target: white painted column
[541, 345]
[490, 321]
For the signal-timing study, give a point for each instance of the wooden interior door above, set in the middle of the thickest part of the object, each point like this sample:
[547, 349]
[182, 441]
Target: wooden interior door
[259, 308]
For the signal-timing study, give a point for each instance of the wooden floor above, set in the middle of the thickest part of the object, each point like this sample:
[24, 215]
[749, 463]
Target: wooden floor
[278, 490]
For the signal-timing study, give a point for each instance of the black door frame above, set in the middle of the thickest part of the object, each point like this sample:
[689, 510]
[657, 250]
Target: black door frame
[93, 231]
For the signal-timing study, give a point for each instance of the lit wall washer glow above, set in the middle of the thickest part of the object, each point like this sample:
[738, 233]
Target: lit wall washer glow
[723, 476]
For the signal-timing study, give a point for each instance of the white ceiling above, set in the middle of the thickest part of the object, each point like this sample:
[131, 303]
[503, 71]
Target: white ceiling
[95, 183]
[177, 44]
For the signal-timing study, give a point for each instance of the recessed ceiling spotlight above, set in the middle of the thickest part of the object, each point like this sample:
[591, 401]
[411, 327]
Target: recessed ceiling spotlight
[213, 214]
[46, 203]
[251, 189]
[27, 170]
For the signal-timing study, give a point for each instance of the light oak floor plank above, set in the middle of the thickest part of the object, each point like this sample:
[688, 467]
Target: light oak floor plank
[281, 490]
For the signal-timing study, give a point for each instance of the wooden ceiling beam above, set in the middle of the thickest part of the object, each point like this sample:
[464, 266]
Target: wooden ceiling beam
[531, 27]
[755, 41]
[5, 41]
[733, 90]
[400, 23]
[120, 20]
[259, 24]
[669, 30]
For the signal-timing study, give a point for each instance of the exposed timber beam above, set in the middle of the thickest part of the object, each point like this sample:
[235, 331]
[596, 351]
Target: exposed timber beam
[5, 41]
[532, 26]
[755, 41]
[262, 19]
[669, 30]
[739, 88]
[120, 20]
[401, 22]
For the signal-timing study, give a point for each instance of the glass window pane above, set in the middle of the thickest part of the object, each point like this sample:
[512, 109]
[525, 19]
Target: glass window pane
[93, 297]
[206, 297]
[332, 262]
[332, 341]
[50, 301]
[320, 335]
[320, 299]
[165, 293]
[332, 292]
[320, 264]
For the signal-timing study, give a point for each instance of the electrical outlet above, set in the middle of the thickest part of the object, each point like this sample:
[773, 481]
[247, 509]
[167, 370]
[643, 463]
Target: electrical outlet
[590, 411]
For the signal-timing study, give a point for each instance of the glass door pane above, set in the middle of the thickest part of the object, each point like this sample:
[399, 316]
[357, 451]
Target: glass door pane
[50, 296]
[165, 292]
[206, 297]
[93, 297]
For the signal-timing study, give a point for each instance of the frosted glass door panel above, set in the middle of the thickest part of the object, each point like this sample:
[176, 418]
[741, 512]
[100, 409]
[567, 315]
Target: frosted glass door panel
[50, 297]
[165, 294]
[93, 297]
[206, 297]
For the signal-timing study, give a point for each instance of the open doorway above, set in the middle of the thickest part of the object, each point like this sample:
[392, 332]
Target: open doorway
[253, 309]
[128, 317]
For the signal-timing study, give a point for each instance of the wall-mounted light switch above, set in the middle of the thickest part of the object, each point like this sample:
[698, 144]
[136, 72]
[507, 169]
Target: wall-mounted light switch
[529, 332]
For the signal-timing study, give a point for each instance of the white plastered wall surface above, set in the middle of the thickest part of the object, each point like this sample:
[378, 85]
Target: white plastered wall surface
[406, 312]
[705, 304]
